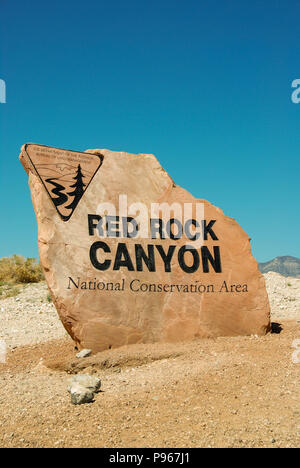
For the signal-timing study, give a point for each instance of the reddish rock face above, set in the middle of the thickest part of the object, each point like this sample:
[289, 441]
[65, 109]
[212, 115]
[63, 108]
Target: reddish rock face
[129, 257]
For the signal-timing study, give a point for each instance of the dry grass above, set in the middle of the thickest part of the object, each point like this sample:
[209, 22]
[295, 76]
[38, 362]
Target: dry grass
[17, 270]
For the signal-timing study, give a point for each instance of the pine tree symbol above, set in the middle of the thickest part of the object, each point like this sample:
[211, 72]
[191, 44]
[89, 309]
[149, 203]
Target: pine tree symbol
[78, 189]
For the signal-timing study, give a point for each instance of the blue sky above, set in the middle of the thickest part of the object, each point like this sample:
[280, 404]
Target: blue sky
[204, 85]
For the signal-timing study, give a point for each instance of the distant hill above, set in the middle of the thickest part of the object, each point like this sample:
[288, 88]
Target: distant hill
[286, 266]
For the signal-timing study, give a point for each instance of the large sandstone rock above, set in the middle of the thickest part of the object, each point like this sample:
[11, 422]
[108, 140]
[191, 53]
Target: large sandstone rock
[115, 291]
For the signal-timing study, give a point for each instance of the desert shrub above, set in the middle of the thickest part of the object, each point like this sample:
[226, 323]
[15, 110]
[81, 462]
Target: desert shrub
[9, 290]
[7, 270]
[29, 272]
[17, 269]
[49, 298]
[12, 292]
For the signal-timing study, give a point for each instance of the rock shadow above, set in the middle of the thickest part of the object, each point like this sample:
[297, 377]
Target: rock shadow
[276, 328]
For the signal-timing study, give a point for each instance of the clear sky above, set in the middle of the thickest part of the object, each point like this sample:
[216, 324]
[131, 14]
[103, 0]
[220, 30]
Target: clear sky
[204, 85]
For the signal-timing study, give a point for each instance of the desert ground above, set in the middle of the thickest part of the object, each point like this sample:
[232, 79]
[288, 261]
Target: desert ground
[224, 392]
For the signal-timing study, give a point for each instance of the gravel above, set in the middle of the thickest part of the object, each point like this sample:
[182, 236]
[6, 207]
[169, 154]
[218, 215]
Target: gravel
[29, 318]
[225, 392]
[284, 296]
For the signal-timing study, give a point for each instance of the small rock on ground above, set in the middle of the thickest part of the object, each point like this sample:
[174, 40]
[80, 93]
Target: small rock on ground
[87, 381]
[80, 394]
[84, 353]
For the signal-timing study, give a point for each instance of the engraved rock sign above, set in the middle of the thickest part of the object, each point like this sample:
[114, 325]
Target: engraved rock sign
[138, 274]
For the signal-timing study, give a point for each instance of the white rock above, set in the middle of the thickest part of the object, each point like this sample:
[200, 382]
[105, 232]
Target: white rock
[80, 394]
[86, 381]
[84, 353]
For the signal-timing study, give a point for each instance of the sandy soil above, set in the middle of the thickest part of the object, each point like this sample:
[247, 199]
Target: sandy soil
[227, 392]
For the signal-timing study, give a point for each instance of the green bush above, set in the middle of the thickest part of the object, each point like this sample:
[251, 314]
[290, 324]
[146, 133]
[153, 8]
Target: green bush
[49, 298]
[17, 269]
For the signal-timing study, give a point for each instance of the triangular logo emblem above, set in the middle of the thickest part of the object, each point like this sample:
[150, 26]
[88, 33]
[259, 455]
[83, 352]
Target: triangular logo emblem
[65, 174]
